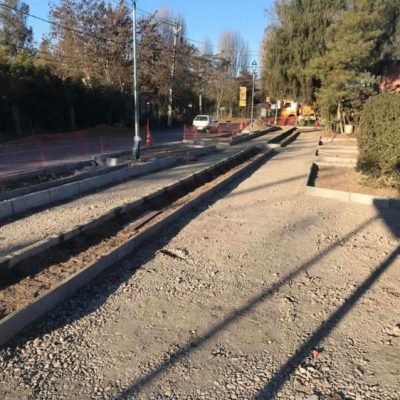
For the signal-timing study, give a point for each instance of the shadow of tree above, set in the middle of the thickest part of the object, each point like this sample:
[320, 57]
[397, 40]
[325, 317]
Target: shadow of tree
[234, 317]
[109, 281]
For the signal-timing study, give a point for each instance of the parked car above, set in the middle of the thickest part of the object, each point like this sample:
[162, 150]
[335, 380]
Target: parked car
[205, 123]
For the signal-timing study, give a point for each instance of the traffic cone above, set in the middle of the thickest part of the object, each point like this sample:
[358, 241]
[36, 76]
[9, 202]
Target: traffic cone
[149, 140]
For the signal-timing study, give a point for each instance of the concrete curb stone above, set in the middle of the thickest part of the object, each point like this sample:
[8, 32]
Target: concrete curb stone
[18, 320]
[341, 195]
[29, 202]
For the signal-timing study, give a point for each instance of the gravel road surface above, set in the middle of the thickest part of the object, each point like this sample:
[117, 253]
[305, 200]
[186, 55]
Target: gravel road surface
[263, 293]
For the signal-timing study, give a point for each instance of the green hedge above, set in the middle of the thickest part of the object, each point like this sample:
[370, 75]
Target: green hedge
[379, 139]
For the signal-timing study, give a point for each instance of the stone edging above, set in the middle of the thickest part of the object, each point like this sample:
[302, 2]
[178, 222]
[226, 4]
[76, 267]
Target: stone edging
[22, 204]
[18, 320]
[379, 201]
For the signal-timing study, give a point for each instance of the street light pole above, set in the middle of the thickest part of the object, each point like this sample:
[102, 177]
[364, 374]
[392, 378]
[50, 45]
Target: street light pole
[254, 65]
[201, 101]
[177, 28]
[136, 139]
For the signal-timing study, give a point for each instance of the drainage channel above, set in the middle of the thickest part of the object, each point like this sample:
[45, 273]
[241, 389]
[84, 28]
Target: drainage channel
[42, 281]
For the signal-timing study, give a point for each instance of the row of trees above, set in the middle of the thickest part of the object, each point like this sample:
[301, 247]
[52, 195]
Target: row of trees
[329, 52]
[81, 74]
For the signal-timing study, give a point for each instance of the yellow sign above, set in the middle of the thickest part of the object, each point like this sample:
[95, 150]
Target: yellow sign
[242, 96]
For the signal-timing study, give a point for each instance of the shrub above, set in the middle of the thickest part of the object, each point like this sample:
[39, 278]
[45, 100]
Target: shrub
[379, 136]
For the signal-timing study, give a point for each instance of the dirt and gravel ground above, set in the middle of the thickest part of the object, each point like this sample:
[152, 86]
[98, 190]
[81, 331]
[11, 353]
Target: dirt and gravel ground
[40, 274]
[348, 179]
[59, 219]
[56, 220]
[263, 293]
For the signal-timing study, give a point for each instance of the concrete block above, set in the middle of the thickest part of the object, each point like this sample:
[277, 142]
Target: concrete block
[110, 178]
[173, 186]
[5, 263]
[30, 201]
[111, 161]
[382, 202]
[201, 151]
[36, 248]
[131, 206]
[64, 192]
[132, 172]
[90, 184]
[6, 209]
[69, 235]
[329, 193]
[97, 222]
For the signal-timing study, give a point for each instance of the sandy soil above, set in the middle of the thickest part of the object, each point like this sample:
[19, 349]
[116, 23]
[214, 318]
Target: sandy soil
[347, 179]
[263, 293]
[258, 125]
[338, 139]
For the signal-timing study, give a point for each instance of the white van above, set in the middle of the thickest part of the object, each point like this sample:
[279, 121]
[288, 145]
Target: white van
[205, 123]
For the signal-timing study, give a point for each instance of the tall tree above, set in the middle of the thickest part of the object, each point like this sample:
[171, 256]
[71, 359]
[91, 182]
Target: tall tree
[358, 41]
[207, 48]
[327, 51]
[15, 35]
[297, 36]
[234, 49]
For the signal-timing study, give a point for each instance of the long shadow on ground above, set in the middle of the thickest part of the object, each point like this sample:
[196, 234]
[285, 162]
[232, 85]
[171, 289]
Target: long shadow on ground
[90, 298]
[271, 389]
[234, 317]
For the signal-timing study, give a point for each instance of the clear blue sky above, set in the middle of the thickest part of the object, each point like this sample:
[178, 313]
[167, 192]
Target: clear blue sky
[204, 18]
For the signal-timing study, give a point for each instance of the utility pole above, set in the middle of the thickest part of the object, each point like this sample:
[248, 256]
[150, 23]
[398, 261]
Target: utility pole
[136, 139]
[254, 65]
[177, 28]
[201, 101]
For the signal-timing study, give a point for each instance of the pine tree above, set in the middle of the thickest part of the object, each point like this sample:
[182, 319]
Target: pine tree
[299, 34]
[15, 35]
[358, 41]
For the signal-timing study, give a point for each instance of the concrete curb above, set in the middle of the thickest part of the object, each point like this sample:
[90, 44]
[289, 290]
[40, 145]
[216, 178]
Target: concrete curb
[194, 152]
[341, 195]
[247, 136]
[101, 159]
[53, 169]
[337, 161]
[18, 320]
[282, 136]
[57, 182]
[291, 138]
[336, 148]
[11, 260]
[19, 205]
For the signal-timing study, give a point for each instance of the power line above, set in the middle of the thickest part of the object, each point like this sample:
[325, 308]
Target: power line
[37, 50]
[101, 38]
[172, 23]
[62, 26]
